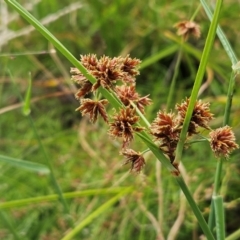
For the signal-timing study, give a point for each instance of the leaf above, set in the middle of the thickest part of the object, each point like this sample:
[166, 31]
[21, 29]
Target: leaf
[27, 165]
[26, 104]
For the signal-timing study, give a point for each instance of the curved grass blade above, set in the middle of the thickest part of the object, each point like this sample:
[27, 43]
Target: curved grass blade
[26, 165]
[156, 57]
[103, 208]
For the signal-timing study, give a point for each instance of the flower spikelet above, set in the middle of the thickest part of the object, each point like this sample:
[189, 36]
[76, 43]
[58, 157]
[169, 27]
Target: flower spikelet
[85, 85]
[222, 141]
[107, 72]
[201, 115]
[187, 28]
[135, 158]
[122, 126]
[93, 108]
[128, 93]
[130, 68]
[89, 61]
[164, 126]
[165, 129]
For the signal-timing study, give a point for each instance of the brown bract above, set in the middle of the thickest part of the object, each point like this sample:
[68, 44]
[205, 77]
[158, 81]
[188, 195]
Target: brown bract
[201, 115]
[187, 28]
[222, 141]
[128, 94]
[135, 158]
[93, 108]
[122, 125]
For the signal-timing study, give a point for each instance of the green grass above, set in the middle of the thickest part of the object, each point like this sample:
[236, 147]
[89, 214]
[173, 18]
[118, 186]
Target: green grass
[82, 155]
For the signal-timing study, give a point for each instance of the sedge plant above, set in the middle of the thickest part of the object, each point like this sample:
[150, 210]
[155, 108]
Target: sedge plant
[112, 81]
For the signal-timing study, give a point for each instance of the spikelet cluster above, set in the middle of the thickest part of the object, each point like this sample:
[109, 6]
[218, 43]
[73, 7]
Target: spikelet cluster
[118, 75]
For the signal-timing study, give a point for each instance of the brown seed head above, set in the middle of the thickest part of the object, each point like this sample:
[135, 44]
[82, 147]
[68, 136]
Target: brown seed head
[122, 126]
[222, 141]
[135, 158]
[130, 68]
[93, 108]
[89, 61]
[164, 126]
[107, 72]
[187, 28]
[165, 129]
[128, 93]
[85, 85]
[201, 115]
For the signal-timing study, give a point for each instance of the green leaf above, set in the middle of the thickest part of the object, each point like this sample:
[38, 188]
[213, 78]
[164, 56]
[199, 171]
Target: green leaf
[30, 166]
[26, 104]
[99, 211]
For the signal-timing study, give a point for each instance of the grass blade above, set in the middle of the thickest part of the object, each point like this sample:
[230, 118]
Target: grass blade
[26, 104]
[26, 165]
[55, 197]
[156, 57]
[221, 36]
[103, 208]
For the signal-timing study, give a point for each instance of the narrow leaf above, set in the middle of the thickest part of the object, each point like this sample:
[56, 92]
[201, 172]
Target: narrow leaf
[99, 211]
[26, 104]
[30, 166]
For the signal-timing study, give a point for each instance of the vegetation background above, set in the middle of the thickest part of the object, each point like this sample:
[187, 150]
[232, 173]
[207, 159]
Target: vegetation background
[83, 156]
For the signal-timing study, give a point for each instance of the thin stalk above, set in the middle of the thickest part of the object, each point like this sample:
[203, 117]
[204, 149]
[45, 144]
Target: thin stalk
[228, 105]
[173, 83]
[198, 80]
[196, 12]
[145, 121]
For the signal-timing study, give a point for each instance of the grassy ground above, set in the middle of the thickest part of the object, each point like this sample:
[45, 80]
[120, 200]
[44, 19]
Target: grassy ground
[82, 155]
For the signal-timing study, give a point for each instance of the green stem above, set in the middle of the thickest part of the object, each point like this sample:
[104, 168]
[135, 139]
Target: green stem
[173, 83]
[230, 93]
[195, 208]
[198, 80]
[220, 223]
